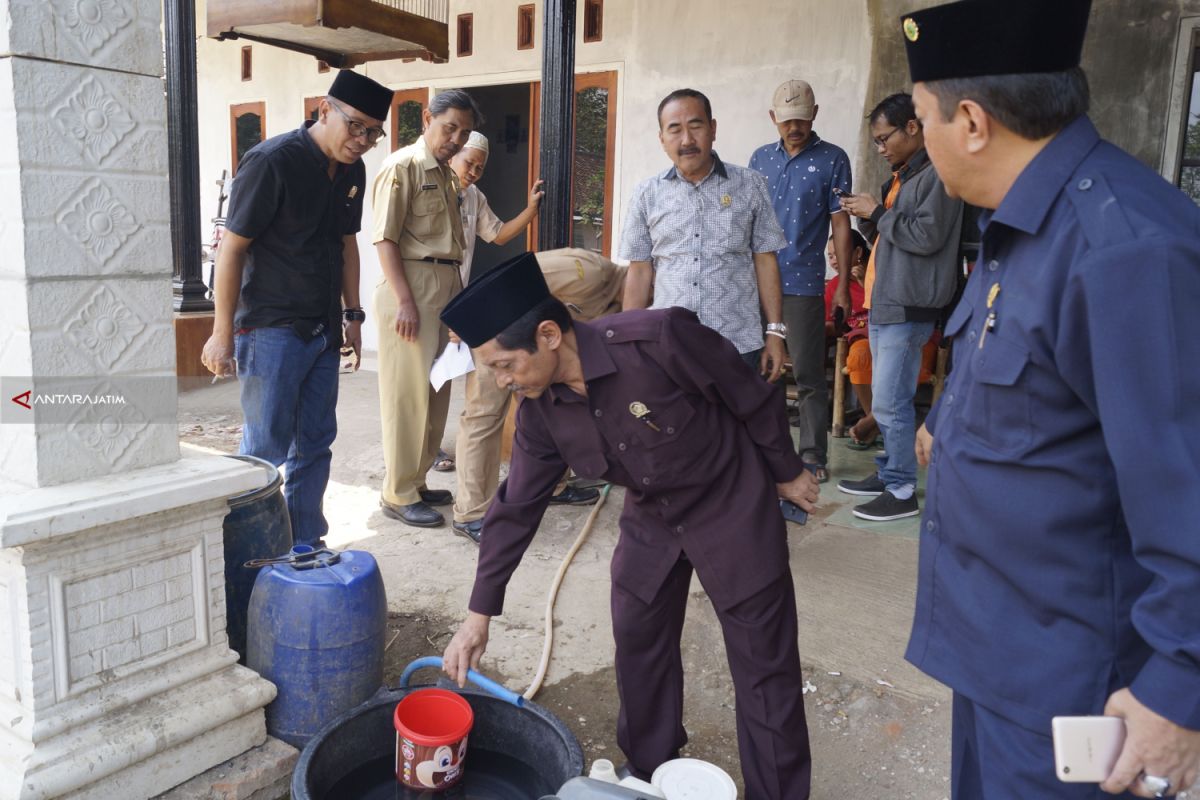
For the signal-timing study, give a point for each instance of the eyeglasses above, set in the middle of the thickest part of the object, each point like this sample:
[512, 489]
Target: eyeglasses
[357, 129]
[881, 141]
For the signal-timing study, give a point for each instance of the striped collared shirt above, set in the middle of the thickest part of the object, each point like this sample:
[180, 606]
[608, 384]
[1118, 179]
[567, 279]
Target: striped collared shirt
[701, 239]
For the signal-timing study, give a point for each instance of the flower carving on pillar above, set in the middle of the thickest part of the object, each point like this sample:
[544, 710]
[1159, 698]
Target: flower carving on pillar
[108, 431]
[98, 221]
[93, 119]
[104, 327]
[93, 22]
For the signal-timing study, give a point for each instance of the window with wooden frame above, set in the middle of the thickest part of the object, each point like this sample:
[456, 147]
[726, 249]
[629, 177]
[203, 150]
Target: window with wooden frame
[593, 20]
[466, 31]
[312, 107]
[247, 127]
[1188, 176]
[322, 66]
[408, 106]
[247, 64]
[525, 27]
[593, 159]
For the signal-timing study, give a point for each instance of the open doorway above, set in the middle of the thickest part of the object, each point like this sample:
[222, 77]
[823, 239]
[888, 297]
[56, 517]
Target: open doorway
[506, 181]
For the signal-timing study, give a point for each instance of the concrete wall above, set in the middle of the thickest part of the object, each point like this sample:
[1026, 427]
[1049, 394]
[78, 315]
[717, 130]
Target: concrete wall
[1129, 56]
[737, 55]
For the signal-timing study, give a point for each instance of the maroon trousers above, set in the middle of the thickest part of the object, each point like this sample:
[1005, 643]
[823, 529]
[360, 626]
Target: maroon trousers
[764, 660]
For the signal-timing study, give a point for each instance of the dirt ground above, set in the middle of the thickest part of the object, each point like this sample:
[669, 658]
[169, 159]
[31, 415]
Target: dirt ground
[879, 728]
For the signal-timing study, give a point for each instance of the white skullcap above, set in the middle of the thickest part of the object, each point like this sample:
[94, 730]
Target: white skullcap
[478, 141]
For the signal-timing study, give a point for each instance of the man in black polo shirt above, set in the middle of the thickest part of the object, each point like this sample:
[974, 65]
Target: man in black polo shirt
[288, 265]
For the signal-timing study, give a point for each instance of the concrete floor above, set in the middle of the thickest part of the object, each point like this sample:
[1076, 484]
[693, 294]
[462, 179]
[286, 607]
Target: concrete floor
[880, 729]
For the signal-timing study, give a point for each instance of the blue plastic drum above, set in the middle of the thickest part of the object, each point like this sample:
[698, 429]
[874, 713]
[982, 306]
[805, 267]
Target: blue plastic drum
[317, 622]
[257, 526]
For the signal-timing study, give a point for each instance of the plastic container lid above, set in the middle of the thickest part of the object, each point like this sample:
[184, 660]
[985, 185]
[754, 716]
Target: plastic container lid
[433, 717]
[693, 779]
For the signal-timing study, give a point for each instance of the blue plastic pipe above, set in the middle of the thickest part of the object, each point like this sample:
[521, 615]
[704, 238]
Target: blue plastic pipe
[474, 677]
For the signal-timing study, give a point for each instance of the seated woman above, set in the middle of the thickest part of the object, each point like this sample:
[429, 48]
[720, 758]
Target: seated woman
[864, 434]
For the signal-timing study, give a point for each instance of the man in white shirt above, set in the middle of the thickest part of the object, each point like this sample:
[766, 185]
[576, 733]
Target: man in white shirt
[477, 216]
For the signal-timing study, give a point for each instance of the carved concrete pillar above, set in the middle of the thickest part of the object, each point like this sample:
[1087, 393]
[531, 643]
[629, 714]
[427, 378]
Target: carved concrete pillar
[116, 679]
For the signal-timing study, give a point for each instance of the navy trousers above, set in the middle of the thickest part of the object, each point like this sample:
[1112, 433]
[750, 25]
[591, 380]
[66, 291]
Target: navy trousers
[764, 660]
[996, 759]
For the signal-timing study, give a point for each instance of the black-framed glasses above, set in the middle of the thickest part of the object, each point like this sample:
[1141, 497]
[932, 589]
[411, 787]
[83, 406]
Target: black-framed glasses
[881, 141]
[357, 129]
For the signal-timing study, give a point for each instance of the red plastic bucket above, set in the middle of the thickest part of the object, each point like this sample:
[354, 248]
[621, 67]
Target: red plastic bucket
[431, 738]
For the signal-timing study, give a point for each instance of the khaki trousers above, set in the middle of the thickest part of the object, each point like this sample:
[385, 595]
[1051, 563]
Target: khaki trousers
[581, 278]
[477, 450]
[413, 416]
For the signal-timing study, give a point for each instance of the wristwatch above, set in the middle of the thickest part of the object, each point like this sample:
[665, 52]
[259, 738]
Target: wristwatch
[354, 315]
[777, 327]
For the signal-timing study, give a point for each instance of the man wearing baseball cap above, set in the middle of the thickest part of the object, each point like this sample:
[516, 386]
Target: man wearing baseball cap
[288, 252]
[806, 177]
[1060, 556]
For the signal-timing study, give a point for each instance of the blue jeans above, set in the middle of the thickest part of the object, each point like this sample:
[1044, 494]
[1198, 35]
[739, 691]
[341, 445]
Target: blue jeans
[289, 395]
[896, 364]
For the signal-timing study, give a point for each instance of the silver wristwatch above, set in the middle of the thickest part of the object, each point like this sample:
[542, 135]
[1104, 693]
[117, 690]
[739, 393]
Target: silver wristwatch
[777, 327]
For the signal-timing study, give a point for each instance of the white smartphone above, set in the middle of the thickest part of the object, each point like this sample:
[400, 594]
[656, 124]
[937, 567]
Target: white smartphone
[1086, 748]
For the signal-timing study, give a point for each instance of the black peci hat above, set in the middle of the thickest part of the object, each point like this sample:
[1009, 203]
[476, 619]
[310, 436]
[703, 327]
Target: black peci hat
[496, 300]
[362, 93]
[972, 38]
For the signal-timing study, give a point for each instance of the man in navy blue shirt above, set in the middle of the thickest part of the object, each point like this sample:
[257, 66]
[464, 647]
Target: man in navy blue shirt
[286, 278]
[806, 177]
[1060, 556]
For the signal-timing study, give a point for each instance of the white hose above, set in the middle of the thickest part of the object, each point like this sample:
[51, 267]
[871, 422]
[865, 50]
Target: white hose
[548, 644]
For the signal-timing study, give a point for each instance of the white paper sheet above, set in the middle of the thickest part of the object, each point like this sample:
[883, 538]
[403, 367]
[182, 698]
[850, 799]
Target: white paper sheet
[455, 360]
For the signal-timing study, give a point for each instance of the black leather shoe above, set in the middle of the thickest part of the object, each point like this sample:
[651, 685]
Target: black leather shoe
[472, 530]
[436, 497]
[571, 496]
[418, 514]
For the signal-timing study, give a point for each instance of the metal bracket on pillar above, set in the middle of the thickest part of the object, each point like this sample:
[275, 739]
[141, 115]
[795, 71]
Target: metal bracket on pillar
[179, 29]
[557, 120]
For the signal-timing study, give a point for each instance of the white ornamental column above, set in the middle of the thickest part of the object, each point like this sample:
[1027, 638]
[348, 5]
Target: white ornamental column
[116, 680]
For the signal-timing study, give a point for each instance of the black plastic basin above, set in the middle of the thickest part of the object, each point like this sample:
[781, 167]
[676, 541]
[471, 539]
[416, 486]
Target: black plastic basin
[513, 754]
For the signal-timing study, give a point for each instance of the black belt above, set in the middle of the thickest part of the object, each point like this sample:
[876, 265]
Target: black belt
[450, 262]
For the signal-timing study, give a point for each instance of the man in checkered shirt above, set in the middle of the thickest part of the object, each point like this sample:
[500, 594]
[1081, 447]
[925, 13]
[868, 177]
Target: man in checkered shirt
[703, 235]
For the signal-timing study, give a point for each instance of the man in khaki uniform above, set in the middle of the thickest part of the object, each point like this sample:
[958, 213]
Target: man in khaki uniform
[418, 233]
[590, 286]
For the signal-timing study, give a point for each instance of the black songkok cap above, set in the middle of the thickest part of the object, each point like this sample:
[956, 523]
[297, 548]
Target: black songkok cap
[498, 299]
[972, 38]
[359, 91]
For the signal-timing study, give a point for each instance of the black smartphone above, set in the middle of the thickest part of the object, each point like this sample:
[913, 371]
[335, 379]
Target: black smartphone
[840, 326]
[793, 512]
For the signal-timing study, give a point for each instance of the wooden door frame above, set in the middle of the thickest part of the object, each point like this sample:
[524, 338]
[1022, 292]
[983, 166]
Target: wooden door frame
[586, 80]
[236, 110]
[399, 98]
[535, 156]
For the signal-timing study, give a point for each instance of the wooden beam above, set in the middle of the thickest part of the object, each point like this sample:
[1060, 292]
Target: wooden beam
[226, 17]
[430, 34]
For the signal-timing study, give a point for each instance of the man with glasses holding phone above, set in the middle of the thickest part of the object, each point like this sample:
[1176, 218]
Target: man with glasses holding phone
[910, 279]
[286, 288]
